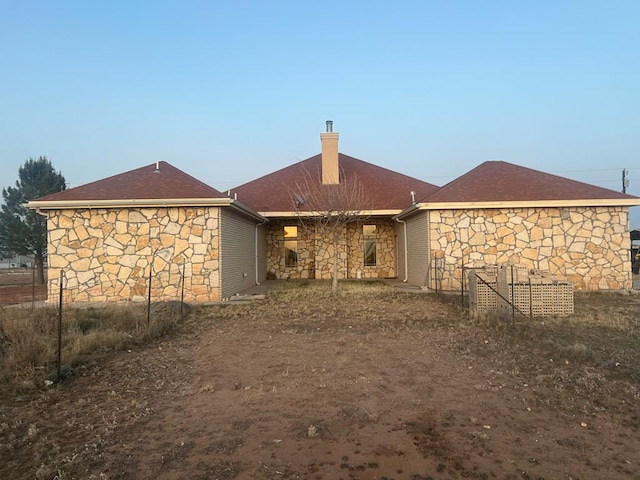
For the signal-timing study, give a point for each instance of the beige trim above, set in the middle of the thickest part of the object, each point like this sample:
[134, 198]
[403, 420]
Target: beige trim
[599, 202]
[143, 203]
[372, 213]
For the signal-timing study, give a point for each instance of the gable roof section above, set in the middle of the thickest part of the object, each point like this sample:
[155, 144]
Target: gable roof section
[389, 191]
[142, 187]
[503, 183]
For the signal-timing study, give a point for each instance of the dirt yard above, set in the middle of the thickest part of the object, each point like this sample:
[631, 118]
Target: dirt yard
[372, 384]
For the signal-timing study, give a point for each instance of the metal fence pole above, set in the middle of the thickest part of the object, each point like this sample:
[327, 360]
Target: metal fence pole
[33, 286]
[182, 288]
[462, 287]
[60, 330]
[530, 300]
[435, 270]
[513, 297]
[149, 297]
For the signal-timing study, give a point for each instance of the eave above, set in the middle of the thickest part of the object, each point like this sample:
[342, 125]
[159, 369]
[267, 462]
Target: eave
[290, 214]
[40, 206]
[598, 202]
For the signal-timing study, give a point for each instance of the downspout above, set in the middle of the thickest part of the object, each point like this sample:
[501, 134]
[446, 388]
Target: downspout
[257, 256]
[406, 256]
[429, 248]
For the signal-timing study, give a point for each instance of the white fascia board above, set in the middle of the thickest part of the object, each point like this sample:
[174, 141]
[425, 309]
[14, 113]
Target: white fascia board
[604, 202]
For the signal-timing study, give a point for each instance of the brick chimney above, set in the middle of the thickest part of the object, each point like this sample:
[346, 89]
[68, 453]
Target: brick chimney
[330, 164]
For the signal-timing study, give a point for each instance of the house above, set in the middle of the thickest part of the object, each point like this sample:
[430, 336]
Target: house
[110, 236]
[9, 261]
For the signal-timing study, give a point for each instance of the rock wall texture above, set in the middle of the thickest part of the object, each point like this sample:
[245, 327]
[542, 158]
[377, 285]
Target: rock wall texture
[587, 246]
[107, 255]
[315, 254]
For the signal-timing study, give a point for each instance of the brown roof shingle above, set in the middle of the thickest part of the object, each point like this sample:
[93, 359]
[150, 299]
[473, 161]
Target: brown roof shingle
[498, 181]
[388, 190]
[142, 183]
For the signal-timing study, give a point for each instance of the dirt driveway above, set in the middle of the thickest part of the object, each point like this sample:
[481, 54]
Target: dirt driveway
[16, 287]
[343, 389]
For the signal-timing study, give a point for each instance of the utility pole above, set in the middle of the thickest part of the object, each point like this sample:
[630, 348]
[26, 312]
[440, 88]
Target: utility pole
[625, 180]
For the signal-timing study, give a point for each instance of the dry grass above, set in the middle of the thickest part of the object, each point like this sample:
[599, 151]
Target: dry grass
[593, 353]
[305, 306]
[28, 339]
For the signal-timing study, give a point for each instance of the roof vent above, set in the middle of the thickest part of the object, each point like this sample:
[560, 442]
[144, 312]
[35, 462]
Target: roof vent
[413, 197]
[157, 170]
[329, 125]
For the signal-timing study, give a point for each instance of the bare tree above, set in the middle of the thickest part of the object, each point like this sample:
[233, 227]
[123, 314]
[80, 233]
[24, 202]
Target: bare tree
[325, 210]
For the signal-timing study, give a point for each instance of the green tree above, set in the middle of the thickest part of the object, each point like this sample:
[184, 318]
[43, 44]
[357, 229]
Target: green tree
[24, 231]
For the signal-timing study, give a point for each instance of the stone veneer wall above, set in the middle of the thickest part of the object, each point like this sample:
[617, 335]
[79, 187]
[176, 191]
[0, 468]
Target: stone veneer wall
[106, 254]
[385, 250]
[275, 252]
[315, 254]
[587, 246]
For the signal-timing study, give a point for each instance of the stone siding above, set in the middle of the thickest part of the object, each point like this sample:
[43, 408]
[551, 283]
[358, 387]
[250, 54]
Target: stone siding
[385, 251]
[315, 254]
[587, 246]
[106, 254]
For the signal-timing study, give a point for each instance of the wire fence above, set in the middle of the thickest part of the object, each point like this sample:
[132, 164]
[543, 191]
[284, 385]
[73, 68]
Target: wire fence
[172, 283]
[443, 276]
[44, 331]
[18, 286]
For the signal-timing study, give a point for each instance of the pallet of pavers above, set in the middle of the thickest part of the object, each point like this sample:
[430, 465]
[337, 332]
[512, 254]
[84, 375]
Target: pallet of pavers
[533, 292]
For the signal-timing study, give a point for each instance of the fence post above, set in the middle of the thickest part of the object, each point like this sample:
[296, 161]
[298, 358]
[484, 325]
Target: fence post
[513, 297]
[33, 285]
[149, 297]
[435, 270]
[462, 287]
[182, 292]
[60, 330]
[530, 300]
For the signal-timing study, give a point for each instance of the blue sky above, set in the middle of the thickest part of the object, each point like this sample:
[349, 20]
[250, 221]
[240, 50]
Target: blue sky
[231, 90]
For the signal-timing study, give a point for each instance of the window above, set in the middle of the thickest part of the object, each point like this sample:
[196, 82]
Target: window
[291, 246]
[369, 233]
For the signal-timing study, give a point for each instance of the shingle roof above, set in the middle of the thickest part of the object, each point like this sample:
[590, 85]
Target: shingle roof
[142, 183]
[497, 181]
[388, 190]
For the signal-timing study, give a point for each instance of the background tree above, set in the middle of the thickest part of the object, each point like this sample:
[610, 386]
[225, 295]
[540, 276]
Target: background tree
[325, 210]
[24, 231]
